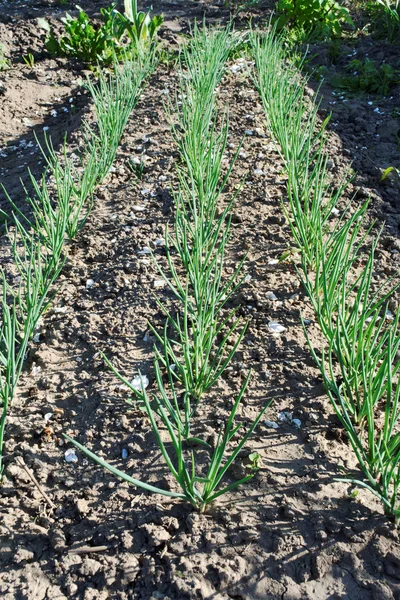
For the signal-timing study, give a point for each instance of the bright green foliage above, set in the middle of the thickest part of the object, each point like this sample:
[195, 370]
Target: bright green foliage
[20, 312]
[367, 77]
[318, 19]
[180, 460]
[360, 363]
[386, 15]
[199, 338]
[37, 243]
[138, 25]
[192, 351]
[119, 35]
[82, 40]
[311, 198]
[29, 60]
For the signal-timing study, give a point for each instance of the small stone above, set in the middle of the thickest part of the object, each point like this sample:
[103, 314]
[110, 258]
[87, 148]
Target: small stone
[271, 424]
[285, 417]
[89, 283]
[139, 382]
[70, 456]
[271, 296]
[276, 327]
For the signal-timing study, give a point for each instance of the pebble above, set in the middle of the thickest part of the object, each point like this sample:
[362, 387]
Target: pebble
[271, 424]
[140, 381]
[148, 336]
[271, 296]
[276, 327]
[89, 283]
[124, 453]
[285, 416]
[70, 456]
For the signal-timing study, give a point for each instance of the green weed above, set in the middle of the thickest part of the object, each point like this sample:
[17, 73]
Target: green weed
[312, 20]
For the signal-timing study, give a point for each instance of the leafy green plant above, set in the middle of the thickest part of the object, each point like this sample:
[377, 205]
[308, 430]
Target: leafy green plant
[386, 15]
[119, 35]
[367, 77]
[137, 168]
[82, 40]
[317, 19]
[139, 26]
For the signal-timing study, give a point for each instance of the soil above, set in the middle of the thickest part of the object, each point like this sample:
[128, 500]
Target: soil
[294, 531]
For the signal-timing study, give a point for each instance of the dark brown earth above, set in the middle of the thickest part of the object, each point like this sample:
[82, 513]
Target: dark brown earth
[294, 532]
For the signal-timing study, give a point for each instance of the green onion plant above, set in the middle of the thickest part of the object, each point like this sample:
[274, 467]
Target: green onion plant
[198, 489]
[192, 351]
[37, 242]
[360, 362]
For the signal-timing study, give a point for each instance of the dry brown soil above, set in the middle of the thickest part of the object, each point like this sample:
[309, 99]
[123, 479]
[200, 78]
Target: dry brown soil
[294, 532]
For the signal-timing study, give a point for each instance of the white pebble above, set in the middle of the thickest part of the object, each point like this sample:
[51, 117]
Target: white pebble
[271, 296]
[271, 424]
[139, 382]
[70, 456]
[89, 283]
[276, 327]
[285, 416]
